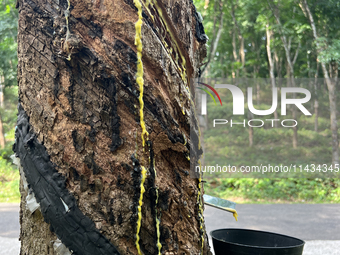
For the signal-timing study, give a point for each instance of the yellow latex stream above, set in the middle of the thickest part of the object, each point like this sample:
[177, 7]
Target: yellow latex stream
[140, 203]
[159, 245]
[182, 70]
[200, 210]
[139, 75]
[232, 211]
[140, 82]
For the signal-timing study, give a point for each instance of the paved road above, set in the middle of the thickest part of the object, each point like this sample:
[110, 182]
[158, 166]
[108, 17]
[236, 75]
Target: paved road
[320, 223]
[9, 220]
[9, 229]
[304, 221]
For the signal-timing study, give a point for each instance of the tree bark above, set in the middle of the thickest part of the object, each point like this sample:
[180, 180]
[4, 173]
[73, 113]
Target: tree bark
[80, 135]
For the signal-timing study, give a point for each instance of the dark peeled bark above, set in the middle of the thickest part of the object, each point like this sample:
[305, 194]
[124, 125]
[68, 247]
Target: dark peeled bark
[79, 127]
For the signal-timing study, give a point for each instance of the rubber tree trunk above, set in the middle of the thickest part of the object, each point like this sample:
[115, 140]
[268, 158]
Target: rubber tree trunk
[105, 183]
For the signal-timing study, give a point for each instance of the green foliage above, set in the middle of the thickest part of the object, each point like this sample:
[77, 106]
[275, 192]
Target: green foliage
[8, 115]
[9, 175]
[9, 182]
[265, 190]
[252, 17]
[330, 51]
[8, 41]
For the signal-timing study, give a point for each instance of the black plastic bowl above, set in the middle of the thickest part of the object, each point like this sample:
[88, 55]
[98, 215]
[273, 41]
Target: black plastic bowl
[252, 242]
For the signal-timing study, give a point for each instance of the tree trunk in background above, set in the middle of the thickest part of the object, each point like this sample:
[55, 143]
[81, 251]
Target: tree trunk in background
[80, 124]
[290, 62]
[271, 67]
[278, 65]
[334, 124]
[330, 85]
[241, 40]
[256, 69]
[216, 36]
[235, 74]
[316, 101]
[336, 73]
[251, 130]
[242, 54]
[2, 137]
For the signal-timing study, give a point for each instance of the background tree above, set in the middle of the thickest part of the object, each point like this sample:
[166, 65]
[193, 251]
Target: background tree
[330, 55]
[290, 58]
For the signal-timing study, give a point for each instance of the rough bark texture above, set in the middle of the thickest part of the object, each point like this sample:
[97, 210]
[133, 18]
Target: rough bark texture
[85, 112]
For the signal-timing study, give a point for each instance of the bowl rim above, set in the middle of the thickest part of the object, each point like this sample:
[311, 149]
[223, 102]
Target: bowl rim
[261, 247]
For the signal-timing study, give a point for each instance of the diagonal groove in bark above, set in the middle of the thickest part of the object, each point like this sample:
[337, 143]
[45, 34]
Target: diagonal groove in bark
[72, 227]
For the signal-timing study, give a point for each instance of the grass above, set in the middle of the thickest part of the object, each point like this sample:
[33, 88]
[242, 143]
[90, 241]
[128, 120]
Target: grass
[274, 190]
[271, 146]
[9, 182]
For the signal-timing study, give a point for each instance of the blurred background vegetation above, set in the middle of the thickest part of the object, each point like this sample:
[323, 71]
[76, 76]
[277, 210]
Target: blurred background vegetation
[224, 145]
[9, 175]
[248, 38]
[275, 40]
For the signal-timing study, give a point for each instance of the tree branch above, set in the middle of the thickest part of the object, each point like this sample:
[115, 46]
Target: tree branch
[215, 40]
[296, 53]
